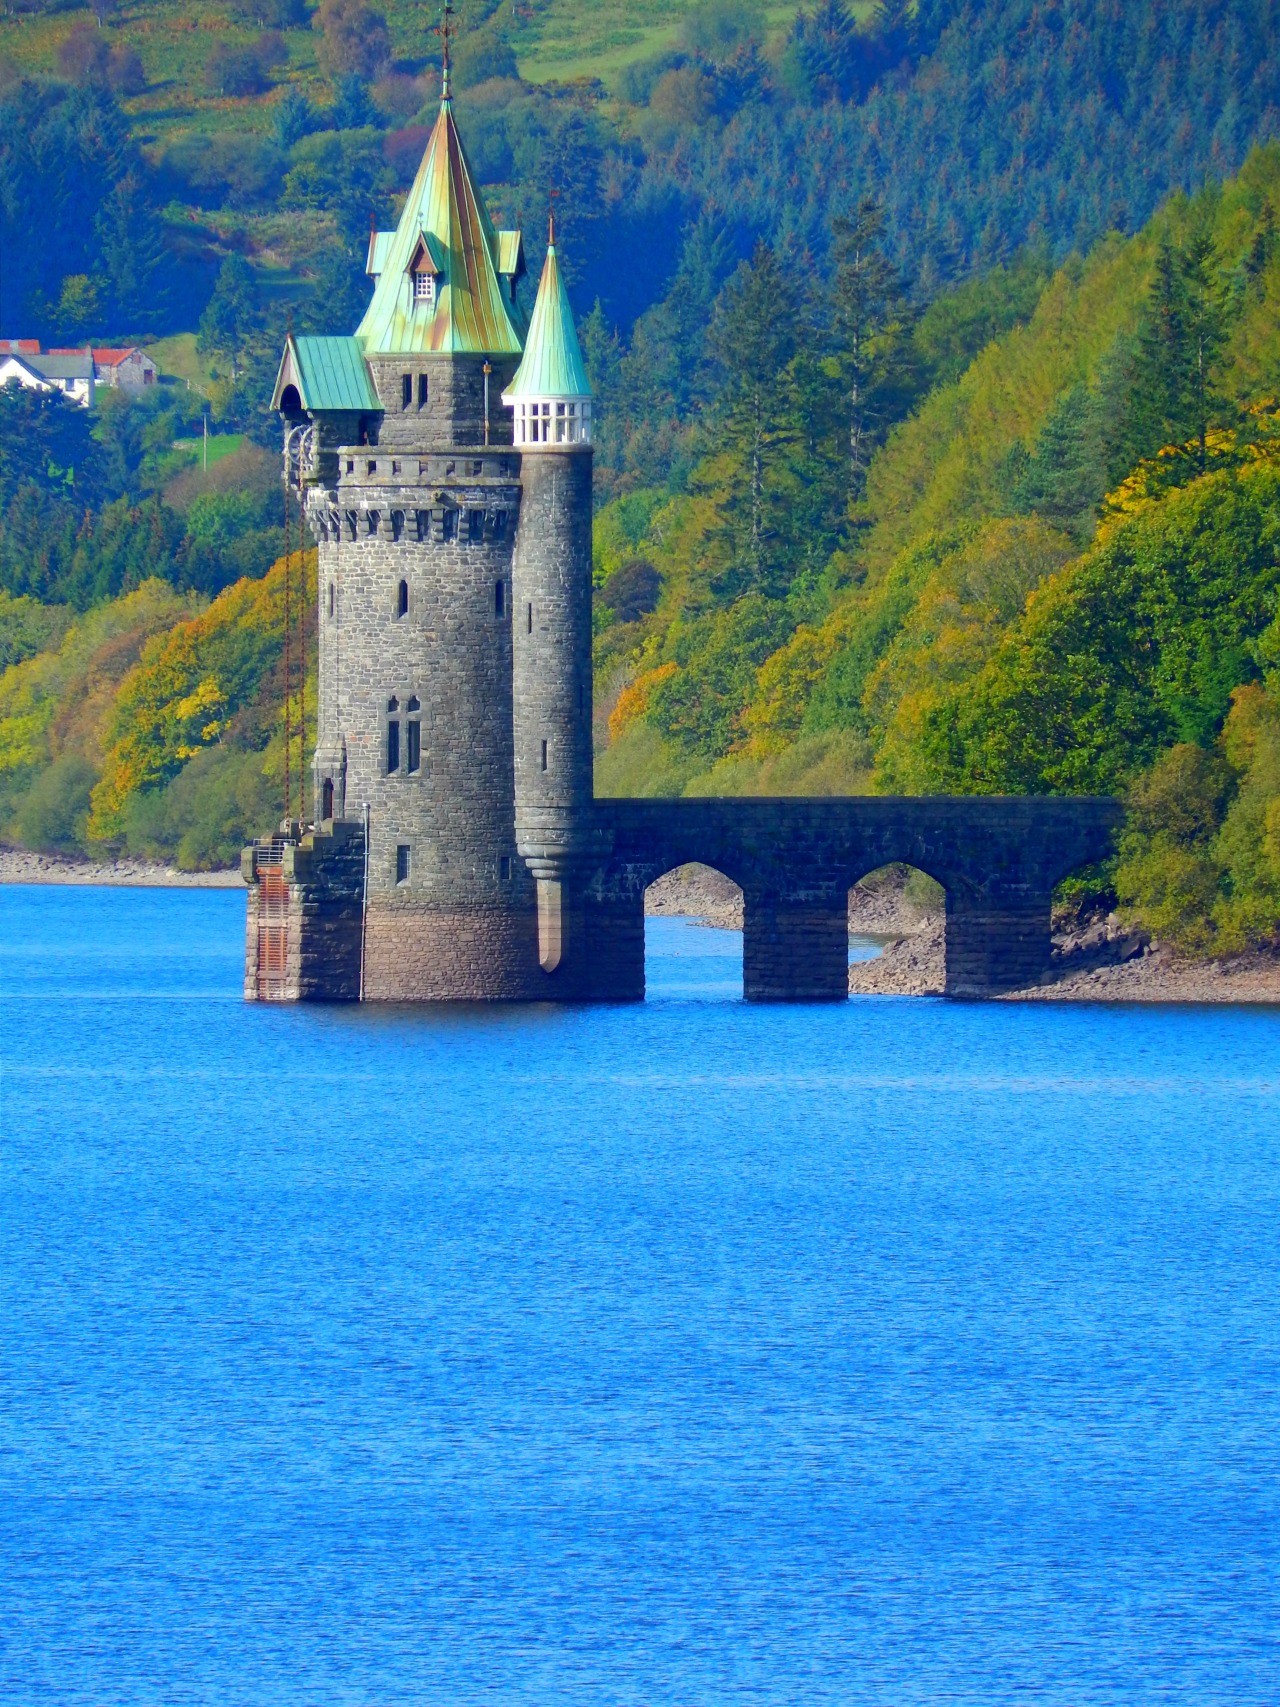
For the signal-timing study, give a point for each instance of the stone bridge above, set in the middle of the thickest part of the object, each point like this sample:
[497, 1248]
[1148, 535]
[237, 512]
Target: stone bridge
[317, 931]
[997, 857]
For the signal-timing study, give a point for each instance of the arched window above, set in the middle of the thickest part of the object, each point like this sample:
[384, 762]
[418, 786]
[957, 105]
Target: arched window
[402, 599]
[393, 736]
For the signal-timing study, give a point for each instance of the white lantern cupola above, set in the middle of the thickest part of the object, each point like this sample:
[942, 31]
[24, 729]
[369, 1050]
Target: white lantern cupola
[550, 393]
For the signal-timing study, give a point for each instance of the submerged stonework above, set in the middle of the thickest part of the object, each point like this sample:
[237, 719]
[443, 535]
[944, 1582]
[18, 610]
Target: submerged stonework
[458, 851]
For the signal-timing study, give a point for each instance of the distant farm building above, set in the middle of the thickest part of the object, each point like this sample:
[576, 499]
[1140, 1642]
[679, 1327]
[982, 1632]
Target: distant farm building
[75, 373]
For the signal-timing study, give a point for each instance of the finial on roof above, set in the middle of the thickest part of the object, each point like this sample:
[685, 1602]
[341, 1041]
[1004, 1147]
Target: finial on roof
[445, 32]
[551, 229]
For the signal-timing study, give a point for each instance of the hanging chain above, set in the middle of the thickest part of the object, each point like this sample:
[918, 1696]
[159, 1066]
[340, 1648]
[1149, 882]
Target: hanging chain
[302, 653]
[288, 672]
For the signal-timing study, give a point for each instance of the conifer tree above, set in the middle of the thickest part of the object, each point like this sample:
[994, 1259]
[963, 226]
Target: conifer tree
[229, 323]
[870, 317]
[753, 337]
[1206, 329]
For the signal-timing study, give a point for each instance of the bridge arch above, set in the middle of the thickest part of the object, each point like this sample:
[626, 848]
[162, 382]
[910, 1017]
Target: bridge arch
[897, 932]
[692, 934]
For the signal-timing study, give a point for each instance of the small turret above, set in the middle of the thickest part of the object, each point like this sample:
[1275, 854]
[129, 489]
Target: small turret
[550, 394]
[551, 605]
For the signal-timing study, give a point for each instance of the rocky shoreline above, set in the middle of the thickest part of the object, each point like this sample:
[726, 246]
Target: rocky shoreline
[17, 865]
[1103, 961]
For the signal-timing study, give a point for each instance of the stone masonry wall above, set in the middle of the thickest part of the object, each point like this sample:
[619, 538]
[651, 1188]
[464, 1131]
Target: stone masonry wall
[551, 587]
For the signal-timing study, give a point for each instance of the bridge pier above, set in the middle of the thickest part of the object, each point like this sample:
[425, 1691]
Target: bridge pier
[795, 950]
[996, 941]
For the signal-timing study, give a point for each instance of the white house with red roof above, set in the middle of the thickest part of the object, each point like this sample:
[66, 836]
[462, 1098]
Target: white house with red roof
[75, 373]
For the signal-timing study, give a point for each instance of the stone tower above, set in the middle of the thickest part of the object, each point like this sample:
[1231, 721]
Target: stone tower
[551, 594]
[445, 462]
[444, 455]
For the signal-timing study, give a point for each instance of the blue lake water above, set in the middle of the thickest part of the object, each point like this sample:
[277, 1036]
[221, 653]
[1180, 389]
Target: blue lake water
[686, 1354]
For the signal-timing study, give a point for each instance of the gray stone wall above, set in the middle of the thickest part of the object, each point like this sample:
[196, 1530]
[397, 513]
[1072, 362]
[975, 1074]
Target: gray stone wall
[453, 411]
[551, 585]
[434, 534]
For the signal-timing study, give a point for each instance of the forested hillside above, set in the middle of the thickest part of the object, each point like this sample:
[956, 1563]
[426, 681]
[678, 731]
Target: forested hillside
[935, 354]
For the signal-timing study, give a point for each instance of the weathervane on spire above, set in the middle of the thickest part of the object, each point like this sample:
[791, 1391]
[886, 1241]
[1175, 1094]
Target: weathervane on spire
[445, 30]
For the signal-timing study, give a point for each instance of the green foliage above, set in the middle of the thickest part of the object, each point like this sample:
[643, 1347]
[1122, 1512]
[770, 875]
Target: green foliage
[697, 707]
[52, 815]
[234, 314]
[200, 820]
[82, 237]
[1138, 646]
[28, 627]
[632, 590]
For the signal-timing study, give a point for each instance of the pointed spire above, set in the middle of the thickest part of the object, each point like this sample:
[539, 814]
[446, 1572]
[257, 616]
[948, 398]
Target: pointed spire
[466, 310]
[550, 393]
[553, 364]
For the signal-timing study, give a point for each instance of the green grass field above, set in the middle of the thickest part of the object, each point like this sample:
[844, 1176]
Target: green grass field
[597, 38]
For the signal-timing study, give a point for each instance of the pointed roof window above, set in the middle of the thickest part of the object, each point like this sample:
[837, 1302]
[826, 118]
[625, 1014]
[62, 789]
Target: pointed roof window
[443, 218]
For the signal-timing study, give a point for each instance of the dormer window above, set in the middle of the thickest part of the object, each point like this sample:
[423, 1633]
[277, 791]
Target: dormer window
[424, 287]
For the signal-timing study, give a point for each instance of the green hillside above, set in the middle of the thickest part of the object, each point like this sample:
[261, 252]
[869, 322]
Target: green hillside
[935, 357]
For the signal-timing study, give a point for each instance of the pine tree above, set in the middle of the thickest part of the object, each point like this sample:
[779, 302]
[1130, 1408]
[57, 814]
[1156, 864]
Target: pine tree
[234, 314]
[1205, 296]
[869, 315]
[753, 336]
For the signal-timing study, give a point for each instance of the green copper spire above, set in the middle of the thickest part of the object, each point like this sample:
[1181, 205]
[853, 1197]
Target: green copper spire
[438, 274]
[553, 364]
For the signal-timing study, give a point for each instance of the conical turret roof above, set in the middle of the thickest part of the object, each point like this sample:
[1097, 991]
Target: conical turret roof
[445, 226]
[553, 364]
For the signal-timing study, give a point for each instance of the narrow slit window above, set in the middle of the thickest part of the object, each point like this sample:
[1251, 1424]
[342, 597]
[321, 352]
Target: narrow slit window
[504, 868]
[402, 599]
[331, 598]
[406, 390]
[544, 755]
[499, 598]
[529, 620]
[402, 863]
[413, 734]
[326, 798]
[393, 746]
[422, 391]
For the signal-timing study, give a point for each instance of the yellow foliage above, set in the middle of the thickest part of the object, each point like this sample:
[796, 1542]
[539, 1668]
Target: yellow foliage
[182, 694]
[633, 701]
[96, 652]
[783, 684]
